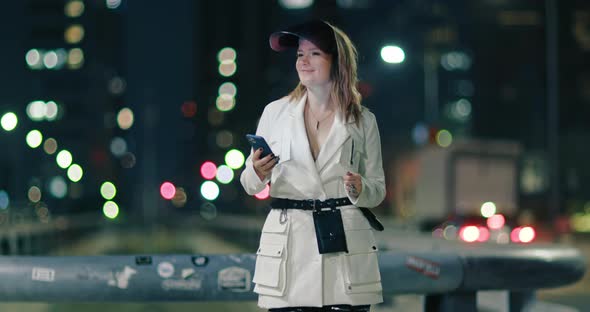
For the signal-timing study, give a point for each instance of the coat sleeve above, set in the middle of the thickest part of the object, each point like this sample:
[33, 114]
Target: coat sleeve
[249, 179]
[371, 167]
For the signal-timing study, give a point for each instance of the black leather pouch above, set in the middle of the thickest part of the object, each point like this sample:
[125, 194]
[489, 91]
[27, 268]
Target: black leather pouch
[329, 231]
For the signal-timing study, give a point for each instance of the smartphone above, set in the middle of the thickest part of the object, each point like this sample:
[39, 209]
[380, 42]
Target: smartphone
[257, 142]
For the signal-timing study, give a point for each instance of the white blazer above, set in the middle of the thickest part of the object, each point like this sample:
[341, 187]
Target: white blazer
[289, 270]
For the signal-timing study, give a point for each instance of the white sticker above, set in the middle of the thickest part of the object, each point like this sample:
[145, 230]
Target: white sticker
[234, 279]
[190, 284]
[121, 278]
[165, 269]
[235, 258]
[186, 273]
[43, 274]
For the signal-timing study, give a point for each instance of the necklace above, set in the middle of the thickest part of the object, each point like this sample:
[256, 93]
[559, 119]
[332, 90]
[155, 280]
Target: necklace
[317, 125]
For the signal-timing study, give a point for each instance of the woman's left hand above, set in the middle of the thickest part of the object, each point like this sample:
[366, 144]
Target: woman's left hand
[353, 184]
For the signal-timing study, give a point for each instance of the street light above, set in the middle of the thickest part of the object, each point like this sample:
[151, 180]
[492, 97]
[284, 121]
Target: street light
[392, 54]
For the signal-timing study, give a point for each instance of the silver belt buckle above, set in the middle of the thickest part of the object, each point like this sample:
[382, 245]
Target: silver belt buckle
[283, 216]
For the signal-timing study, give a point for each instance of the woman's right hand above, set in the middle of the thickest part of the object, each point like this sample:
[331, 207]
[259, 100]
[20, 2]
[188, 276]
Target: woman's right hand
[263, 166]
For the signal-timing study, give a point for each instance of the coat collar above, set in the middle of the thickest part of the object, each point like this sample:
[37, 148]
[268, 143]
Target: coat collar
[301, 149]
[338, 134]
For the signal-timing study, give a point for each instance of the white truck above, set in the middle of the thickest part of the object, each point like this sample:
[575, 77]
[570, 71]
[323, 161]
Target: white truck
[459, 179]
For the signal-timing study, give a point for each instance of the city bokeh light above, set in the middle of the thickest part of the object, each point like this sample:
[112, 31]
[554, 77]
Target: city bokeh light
[9, 121]
[209, 190]
[488, 209]
[393, 54]
[224, 174]
[75, 173]
[64, 159]
[208, 170]
[264, 194]
[34, 138]
[110, 209]
[167, 190]
[125, 118]
[108, 190]
[234, 159]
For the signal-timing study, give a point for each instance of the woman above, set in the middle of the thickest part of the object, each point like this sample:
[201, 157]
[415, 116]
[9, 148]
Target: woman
[326, 154]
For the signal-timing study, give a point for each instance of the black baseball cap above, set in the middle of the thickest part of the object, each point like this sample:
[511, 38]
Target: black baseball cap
[316, 31]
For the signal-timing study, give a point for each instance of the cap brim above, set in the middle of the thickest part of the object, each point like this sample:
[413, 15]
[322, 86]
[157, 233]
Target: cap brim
[283, 40]
[318, 32]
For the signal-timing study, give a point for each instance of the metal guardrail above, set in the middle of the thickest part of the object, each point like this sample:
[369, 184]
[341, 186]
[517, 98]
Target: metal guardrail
[450, 279]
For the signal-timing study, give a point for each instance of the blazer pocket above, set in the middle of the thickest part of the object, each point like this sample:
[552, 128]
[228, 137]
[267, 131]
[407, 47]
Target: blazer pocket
[273, 224]
[360, 265]
[350, 155]
[282, 147]
[270, 274]
[273, 231]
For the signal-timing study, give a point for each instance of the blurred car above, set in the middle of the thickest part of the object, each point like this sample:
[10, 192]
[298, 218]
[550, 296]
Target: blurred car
[478, 229]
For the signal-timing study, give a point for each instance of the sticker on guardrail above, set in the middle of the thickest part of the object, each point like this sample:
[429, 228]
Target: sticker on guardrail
[43, 274]
[234, 279]
[165, 269]
[191, 280]
[187, 273]
[121, 279]
[426, 267]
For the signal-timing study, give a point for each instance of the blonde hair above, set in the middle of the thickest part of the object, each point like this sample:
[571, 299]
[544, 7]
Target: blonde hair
[344, 77]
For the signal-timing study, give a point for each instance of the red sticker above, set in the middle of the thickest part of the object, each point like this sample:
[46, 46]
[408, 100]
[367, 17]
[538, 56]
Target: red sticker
[426, 267]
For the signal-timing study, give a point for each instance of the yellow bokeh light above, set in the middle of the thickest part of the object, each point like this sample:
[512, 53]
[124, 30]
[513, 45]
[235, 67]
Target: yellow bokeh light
[228, 88]
[75, 58]
[227, 69]
[74, 34]
[74, 8]
[227, 55]
[125, 118]
[444, 138]
[225, 102]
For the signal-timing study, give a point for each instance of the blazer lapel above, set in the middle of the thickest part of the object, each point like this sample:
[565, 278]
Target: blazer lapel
[300, 148]
[337, 136]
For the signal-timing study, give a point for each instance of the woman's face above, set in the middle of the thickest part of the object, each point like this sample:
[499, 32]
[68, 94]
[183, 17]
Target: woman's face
[313, 65]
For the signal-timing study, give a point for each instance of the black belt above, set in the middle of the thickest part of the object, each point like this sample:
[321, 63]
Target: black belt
[309, 204]
[313, 204]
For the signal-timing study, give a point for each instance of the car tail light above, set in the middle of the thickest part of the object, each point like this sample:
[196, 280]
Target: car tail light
[484, 234]
[523, 234]
[527, 234]
[469, 233]
[496, 222]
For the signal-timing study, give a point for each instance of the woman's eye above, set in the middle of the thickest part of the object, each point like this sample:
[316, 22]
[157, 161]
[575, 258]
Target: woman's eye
[299, 54]
[316, 53]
